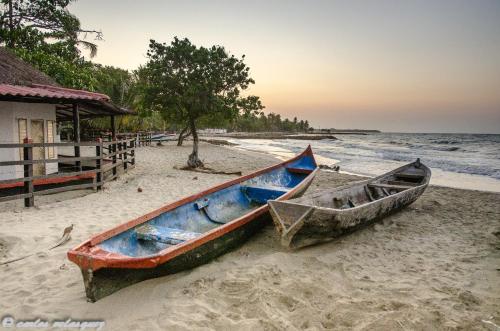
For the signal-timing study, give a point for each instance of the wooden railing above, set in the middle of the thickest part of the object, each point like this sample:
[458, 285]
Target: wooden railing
[119, 152]
[101, 166]
[141, 138]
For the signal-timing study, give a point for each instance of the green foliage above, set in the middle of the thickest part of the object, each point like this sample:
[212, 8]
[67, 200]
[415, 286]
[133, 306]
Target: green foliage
[189, 84]
[116, 83]
[78, 74]
[259, 122]
[45, 34]
[44, 25]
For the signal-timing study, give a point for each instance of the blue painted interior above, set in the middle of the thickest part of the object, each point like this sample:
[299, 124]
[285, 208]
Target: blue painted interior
[209, 212]
[166, 235]
[306, 163]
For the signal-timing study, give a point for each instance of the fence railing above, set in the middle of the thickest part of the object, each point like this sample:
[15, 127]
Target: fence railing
[142, 138]
[102, 166]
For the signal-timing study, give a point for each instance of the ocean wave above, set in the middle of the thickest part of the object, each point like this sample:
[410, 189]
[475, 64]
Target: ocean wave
[447, 149]
[468, 154]
[446, 142]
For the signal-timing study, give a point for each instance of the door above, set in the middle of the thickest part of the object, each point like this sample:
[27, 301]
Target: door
[37, 134]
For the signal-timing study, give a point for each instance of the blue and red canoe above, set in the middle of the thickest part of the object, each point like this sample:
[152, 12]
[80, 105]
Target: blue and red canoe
[188, 232]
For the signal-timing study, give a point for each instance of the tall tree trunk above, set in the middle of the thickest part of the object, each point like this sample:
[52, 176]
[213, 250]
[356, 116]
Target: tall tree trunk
[183, 135]
[193, 160]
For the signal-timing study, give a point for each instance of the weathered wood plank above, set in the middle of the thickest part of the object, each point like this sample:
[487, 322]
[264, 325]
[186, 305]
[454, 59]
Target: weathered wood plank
[50, 176]
[16, 196]
[389, 186]
[64, 188]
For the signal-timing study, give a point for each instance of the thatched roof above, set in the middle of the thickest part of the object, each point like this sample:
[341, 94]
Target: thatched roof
[14, 71]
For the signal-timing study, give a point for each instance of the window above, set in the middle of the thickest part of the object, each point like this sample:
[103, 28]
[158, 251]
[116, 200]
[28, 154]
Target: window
[50, 139]
[22, 125]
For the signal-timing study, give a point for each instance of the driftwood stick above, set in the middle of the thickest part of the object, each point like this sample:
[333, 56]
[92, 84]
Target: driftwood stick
[64, 239]
[208, 170]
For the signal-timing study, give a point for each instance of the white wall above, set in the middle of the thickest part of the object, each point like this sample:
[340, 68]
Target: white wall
[10, 112]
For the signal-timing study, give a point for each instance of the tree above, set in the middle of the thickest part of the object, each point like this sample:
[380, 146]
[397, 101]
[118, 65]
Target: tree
[45, 34]
[77, 74]
[46, 24]
[116, 83]
[191, 84]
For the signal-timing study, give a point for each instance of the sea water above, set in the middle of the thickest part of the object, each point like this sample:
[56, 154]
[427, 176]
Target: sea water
[469, 161]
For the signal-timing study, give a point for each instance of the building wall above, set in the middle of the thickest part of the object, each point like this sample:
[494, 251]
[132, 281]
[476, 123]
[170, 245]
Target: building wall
[10, 112]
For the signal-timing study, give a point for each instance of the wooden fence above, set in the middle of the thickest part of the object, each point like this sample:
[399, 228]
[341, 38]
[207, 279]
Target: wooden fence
[101, 166]
[142, 138]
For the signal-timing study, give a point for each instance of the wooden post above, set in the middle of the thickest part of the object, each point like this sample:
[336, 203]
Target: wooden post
[132, 152]
[98, 163]
[120, 154]
[113, 128]
[113, 148]
[125, 164]
[76, 133]
[28, 172]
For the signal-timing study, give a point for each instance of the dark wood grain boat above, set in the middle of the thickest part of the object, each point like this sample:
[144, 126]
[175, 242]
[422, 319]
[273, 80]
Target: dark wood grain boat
[323, 216]
[189, 232]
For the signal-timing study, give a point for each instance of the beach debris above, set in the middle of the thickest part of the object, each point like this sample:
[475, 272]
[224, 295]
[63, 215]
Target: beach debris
[327, 167]
[207, 170]
[195, 178]
[64, 239]
[139, 189]
[490, 325]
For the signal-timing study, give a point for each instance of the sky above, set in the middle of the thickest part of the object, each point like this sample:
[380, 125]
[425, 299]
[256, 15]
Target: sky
[399, 66]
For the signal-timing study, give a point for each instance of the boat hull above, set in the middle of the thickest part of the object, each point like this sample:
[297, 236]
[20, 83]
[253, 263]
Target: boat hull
[106, 268]
[105, 281]
[316, 224]
[323, 225]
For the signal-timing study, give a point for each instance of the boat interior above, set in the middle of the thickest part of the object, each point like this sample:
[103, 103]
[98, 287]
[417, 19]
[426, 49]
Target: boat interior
[351, 196]
[192, 219]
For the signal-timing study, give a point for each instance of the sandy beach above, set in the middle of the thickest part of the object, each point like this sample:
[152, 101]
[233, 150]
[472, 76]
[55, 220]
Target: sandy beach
[434, 265]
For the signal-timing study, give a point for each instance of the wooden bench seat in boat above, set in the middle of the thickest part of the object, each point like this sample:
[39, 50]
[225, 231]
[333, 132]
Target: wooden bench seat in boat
[260, 194]
[401, 182]
[299, 170]
[409, 175]
[389, 186]
[164, 235]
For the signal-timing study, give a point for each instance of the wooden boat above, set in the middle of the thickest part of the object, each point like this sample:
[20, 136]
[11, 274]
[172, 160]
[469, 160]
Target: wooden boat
[189, 232]
[323, 216]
